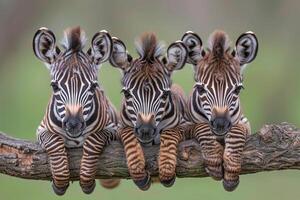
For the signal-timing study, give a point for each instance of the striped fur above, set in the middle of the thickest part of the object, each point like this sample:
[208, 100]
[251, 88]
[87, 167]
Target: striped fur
[77, 96]
[214, 102]
[151, 101]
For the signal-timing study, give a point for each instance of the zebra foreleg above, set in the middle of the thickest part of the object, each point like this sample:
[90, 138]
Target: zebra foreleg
[234, 146]
[167, 159]
[58, 159]
[212, 150]
[92, 148]
[135, 158]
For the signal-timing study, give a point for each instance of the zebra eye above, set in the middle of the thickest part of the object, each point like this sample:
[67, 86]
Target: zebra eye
[166, 94]
[93, 87]
[55, 87]
[200, 89]
[238, 89]
[126, 93]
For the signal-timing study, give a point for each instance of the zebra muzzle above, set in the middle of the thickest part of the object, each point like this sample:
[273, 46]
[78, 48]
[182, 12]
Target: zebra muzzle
[74, 126]
[145, 133]
[145, 129]
[220, 125]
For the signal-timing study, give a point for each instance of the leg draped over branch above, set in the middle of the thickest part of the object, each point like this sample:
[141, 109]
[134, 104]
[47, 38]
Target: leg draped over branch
[274, 147]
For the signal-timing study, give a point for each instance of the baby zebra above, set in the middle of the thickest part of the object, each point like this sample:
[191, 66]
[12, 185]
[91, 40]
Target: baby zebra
[214, 105]
[78, 113]
[152, 108]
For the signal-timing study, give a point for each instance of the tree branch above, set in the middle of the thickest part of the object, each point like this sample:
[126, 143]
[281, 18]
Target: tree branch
[274, 147]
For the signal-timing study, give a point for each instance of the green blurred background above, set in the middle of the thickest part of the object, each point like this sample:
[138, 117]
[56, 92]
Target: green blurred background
[272, 81]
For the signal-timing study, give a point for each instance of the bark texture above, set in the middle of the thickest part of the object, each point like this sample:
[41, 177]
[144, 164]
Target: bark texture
[273, 147]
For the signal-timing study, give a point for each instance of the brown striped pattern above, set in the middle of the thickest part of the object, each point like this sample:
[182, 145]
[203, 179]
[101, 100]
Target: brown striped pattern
[212, 150]
[134, 154]
[219, 80]
[92, 148]
[167, 159]
[152, 108]
[221, 161]
[76, 92]
[57, 154]
[234, 146]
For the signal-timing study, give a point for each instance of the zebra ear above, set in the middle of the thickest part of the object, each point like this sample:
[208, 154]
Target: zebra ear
[101, 48]
[44, 46]
[246, 48]
[176, 56]
[193, 44]
[119, 57]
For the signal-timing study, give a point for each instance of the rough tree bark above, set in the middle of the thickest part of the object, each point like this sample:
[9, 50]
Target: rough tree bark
[274, 147]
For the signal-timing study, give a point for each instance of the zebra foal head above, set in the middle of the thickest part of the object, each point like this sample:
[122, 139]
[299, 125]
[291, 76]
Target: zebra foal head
[147, 83]
[219, 77]
[73, 74]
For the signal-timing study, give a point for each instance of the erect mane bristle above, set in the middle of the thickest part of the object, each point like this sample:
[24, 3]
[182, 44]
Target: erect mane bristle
[218, 43]
[148, 47]
[74, 38]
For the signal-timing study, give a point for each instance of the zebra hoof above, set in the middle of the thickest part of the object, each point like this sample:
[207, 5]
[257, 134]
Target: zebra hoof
[88, 189]
[59, 190]
[168, 183]
[230, 186]
[144, 184]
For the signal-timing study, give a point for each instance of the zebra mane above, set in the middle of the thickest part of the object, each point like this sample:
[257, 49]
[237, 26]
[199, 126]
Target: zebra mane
[74, 39]
[218, 43]
[148, 47]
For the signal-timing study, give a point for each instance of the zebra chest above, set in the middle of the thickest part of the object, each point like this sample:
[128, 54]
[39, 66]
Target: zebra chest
[73, 143]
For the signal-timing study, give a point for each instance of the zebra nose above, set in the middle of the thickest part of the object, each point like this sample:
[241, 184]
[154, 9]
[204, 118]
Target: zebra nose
[73, 125]
[146, 133]
[145, 128]
[220, 125]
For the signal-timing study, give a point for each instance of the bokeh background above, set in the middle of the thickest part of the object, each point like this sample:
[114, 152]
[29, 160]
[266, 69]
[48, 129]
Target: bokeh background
[272, 81]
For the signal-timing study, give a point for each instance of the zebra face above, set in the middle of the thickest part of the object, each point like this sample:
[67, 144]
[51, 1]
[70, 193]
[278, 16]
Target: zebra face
[74, 84]
[73, 75]
[146, 84]
[218, 77]
[146, 93]
[218, 95]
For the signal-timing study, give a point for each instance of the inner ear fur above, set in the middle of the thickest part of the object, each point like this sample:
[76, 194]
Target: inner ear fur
[194, 46]
[44, 45]
[177, 54]
[246, 47]
[119, 57]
